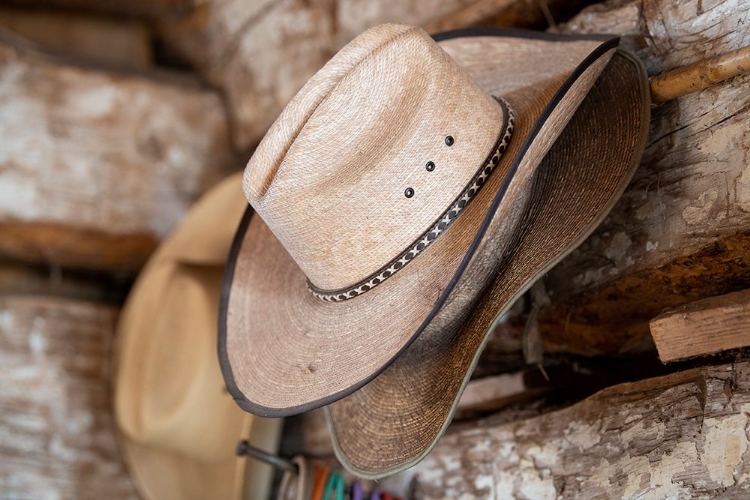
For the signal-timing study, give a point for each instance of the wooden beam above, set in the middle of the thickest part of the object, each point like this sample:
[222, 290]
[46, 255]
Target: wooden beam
[57, 435]
[125, 43]
[534, 14]
[492, 393]
[136, 8]
[259, 53]
[17, 278]
[681, 435]
[703, 327]
[97, 165]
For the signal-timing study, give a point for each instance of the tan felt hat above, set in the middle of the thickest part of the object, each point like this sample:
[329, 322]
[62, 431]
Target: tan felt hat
[395, 420]
[179, 427]
[386, 193]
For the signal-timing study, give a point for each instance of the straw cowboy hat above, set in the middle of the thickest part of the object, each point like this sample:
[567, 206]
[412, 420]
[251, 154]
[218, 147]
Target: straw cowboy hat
[179, 428]
[386, 200]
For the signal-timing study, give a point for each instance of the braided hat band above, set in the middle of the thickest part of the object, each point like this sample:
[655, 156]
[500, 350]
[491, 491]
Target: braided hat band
[442, 223]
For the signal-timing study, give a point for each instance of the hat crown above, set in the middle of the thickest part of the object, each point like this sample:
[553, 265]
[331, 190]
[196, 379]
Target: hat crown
[342, 177]
[175, 397]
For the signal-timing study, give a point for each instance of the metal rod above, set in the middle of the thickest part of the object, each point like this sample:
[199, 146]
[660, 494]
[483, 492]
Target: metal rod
[245, 449]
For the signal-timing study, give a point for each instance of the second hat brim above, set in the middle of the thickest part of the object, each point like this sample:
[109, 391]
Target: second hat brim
[284, 351]
[394, 421]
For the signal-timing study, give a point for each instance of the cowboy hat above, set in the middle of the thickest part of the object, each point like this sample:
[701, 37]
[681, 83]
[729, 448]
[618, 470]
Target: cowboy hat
[385, 194]
[178, 427]
[391, 424]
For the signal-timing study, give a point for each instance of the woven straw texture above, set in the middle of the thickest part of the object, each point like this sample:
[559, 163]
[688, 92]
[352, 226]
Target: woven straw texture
[284, 351]
[334, 197]
[392, 422]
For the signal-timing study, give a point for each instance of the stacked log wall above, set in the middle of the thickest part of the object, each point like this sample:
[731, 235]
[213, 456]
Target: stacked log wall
[96, 166]
[681, 231]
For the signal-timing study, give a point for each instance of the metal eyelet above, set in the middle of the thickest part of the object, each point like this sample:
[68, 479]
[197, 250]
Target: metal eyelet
[409, 192]
[449, 140]
[430, 166]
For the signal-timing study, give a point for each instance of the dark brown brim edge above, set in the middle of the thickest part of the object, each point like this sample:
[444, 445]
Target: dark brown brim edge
[519, 33]
[608, 43]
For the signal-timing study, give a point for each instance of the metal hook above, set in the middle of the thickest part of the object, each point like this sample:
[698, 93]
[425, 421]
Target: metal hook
[245, 449]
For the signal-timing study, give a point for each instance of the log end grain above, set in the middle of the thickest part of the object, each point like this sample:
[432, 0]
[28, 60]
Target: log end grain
[703, 327]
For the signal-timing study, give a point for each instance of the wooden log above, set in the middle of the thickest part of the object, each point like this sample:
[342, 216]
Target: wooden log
[259, 53]
[97, 166]
[57, 435]
[492, 393]
[562, 381]
[17, 278]
[262, 53]
[679, 436]
[121, 42]
[529, 14]
[703, 327]
[355, 16]
[139, 8]
[681, 231]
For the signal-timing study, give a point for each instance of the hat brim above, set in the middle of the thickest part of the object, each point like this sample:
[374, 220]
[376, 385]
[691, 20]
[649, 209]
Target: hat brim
[196, 250]
[283, 351]
[162, 475]
[394, 421]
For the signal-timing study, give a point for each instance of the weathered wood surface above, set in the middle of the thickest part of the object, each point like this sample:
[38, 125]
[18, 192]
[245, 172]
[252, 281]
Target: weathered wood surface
[703, 327]
[96, 167]
[56, 430]
[681, 231]
[261, 53]
[140, 8]
[680, 436]
[355, 16]
[120, 42]
[492, 393]
[17, 278]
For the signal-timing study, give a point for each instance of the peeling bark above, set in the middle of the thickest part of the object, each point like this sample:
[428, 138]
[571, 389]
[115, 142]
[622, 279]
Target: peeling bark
[681, 231]
[680, 436]
[56, 430]
[17, 278]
